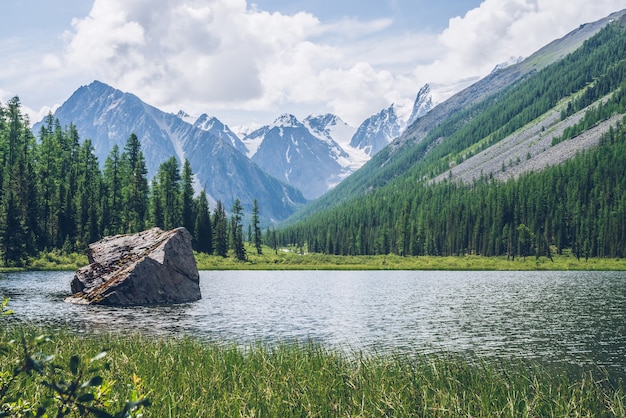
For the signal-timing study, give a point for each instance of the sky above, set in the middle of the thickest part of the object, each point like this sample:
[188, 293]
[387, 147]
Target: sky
[248, 61]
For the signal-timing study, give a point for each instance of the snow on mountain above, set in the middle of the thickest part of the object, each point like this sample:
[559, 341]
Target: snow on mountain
[288, 150]
[253, 140]
[422, 104]
[185, 117]
[108, 116]
[335, 131]
[377, 131]
[507, 63]
[214, 126]
[330, 127]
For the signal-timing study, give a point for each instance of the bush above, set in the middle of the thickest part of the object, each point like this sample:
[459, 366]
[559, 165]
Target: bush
[39, 386]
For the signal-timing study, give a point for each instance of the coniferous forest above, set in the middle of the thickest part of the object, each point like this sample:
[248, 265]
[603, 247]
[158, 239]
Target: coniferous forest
[578, 205]
[54, 194]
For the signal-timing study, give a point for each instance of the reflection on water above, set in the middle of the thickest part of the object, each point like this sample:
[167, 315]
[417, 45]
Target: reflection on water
[577, 318]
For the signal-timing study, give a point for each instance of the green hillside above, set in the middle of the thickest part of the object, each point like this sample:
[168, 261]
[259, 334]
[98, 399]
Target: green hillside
[429, 131]
[395, 207]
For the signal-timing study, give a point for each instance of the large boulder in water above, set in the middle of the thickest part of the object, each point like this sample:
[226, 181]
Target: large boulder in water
[150, 267]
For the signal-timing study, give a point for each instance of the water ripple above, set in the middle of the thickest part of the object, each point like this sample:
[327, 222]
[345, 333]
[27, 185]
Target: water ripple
[576, 318]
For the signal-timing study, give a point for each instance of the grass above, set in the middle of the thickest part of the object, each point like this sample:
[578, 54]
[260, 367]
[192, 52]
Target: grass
[187, 377]
[286, 259]
[291, 260]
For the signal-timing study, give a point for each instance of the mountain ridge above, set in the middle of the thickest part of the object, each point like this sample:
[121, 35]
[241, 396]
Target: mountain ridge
[405, 151]
[534, 167]
[108, 116]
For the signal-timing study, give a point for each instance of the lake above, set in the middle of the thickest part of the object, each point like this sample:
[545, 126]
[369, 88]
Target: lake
[574, 319]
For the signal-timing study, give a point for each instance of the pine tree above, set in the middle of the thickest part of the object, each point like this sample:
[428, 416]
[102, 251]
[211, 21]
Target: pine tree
[18, 219]
[88, 196]
[220, 230]
[169, 192]
[156, 205]
[187, 202]
[256, 229]
[112, 182]
[135, 190]
[48, 171]
[237, 231]
[203, 231]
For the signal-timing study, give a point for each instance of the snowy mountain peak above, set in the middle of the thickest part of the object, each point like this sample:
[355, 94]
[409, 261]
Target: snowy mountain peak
[377, 131]
[380, 129]
[207, 123]
[216, 128]
[185, 117]
[287, 121]
[321, 122]
[507, 63]
[422, 105]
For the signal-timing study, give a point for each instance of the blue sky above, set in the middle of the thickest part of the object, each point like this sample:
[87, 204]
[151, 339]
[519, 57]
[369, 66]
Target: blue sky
[424, 15]
[247, 62]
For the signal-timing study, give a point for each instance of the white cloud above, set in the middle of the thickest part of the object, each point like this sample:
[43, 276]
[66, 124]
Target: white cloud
[499, 29]
[202, 56]
[227, 56]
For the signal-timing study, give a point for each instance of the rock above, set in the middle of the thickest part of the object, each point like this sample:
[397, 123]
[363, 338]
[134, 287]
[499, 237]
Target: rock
[150, 267]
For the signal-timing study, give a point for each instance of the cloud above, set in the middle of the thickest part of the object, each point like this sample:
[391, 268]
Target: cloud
[222, 54]
[211, 55]
[499, 29]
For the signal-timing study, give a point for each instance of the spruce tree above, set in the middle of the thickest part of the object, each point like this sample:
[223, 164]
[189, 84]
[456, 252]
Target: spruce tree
[220, 230]
[237, 231]
[203, 231]
[256, 228]
[18, 219]
[169, 192]
[187, 202]
[135, 190]
[112, 182]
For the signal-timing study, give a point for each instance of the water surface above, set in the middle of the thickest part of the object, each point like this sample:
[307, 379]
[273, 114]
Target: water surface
[570, 318]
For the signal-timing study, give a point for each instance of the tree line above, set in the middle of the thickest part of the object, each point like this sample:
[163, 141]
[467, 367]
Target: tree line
[54, 195]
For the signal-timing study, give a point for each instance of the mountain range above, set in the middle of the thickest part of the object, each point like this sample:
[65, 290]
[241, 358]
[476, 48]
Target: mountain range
[527, 161]
[289, 163]
[282, 165]
[108, 116]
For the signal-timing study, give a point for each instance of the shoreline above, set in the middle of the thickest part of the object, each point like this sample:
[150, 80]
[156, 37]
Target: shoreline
[309, 261]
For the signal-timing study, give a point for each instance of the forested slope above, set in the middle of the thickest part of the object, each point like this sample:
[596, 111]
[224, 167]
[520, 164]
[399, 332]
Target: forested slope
[429, 132]
[578, 205]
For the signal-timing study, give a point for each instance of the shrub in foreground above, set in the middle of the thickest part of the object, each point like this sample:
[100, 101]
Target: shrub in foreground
[35, 383]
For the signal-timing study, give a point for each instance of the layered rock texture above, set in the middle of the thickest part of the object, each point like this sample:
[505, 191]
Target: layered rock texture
[150, 267]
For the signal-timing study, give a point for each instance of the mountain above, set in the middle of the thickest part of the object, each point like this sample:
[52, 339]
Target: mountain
[333, 130]
[422, 105]
[108, 116]
[288, 151]
[377, 131]
[216, 128]
[526, 161]
[428, 134]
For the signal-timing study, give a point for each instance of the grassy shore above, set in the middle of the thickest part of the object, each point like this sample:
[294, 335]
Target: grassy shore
[289, 260]
[286, 259]
[186, 377]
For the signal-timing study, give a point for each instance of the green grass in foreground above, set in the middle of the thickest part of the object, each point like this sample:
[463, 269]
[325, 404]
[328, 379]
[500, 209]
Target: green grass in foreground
[185, 377]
